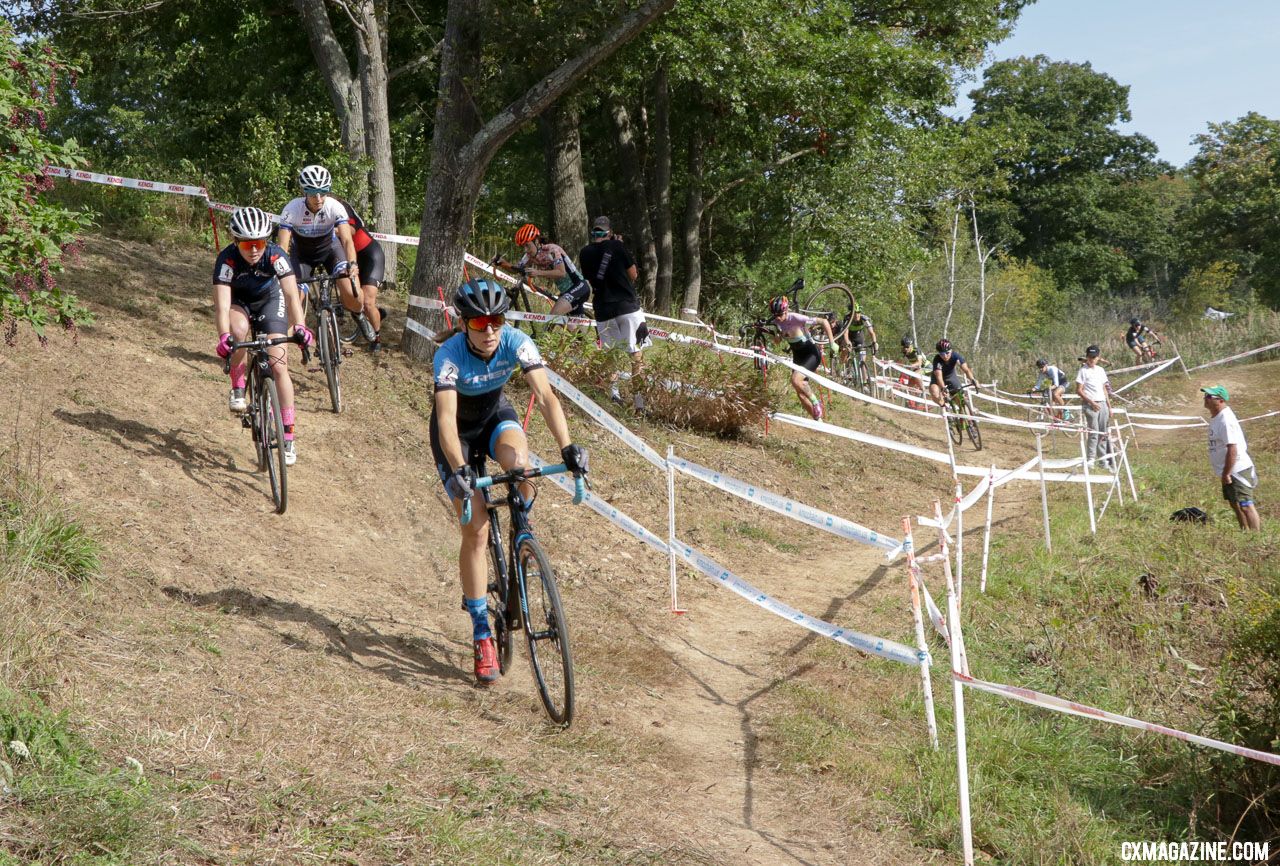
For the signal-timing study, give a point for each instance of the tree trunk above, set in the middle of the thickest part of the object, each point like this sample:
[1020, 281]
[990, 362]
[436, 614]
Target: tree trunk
[662, 189]
[462, 145]
[563, 148]
[951, 267]
[345, 90]
[371, 42]
[638, 201]
[693, 223]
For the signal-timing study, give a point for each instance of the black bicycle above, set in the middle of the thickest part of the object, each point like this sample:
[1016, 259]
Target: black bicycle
[328, 337]
[963, 419]
[520, 294]
[526, 577]
[262, 417]
[757, 335]
[833, 302]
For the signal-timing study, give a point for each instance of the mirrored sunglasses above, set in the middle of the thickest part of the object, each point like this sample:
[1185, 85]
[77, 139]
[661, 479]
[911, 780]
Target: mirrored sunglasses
[482, 323]
[251, 246]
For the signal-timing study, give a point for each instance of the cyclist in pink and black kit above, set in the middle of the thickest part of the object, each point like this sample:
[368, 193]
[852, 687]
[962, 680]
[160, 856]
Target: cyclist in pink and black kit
[804, 351]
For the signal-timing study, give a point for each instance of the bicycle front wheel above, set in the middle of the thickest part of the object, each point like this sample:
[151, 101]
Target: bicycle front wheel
[864, 376]
[975, 435]
[548, 633]
[273, 443]
[330, 356]
[833, 302]
[499, 611]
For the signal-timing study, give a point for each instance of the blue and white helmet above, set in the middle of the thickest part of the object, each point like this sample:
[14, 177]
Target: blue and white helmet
[250, 224]
[315, 178]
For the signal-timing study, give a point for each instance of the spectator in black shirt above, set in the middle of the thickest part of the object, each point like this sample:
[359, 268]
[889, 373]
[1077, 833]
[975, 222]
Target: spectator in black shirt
[611, 271]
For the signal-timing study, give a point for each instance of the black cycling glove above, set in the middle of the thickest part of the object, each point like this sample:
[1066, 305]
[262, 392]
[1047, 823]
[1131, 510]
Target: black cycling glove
[461, 484]
[575, 459]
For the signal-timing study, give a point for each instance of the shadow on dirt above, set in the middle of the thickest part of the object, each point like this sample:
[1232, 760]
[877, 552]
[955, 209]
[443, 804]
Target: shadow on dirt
[201, 362]
[399, 659]
[198, 464]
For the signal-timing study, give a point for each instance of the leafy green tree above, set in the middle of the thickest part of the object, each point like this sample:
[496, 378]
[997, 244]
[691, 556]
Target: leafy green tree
[1077, 200]
[1235, 206]
[34, 234]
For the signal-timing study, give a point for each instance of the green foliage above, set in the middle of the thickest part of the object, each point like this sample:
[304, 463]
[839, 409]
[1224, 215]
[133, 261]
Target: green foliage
[1206, 286]
[34, 234]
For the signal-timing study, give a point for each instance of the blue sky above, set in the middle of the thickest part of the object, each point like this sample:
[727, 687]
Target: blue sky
[1187, 62]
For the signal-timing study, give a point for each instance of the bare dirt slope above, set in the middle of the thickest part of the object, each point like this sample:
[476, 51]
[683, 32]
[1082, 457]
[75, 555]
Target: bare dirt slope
[282, 668]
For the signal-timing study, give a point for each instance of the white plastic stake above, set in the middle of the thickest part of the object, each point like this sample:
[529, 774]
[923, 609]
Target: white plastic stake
[958, 663]
[926, 683]
[1044, 492]
[986, 538]
[1088, 485]
[671, 529]
[959, 544]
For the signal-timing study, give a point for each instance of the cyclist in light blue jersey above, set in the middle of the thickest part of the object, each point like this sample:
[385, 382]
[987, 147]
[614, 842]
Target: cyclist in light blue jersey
[471, 420]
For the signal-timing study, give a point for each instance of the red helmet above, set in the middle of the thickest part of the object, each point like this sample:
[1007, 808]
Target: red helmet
[527, 232]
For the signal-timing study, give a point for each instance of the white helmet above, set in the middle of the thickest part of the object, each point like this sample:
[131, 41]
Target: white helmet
[315, 177]
[250, 224]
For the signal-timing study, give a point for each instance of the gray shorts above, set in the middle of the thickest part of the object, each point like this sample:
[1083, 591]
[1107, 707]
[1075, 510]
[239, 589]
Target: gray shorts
[1241, 489]
[628, 331]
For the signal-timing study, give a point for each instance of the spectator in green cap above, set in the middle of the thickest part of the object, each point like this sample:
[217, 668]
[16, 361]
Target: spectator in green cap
[1229, 456]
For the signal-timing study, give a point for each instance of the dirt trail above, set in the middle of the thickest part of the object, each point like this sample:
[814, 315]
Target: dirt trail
[329, 643]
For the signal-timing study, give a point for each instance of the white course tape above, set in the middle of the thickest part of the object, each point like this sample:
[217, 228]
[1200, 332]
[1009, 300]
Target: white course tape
[1159, 368]
[605, 420]
[128, 182]
[789, 507]
[1236, 357]
[936, 456]
[869, 644]
[1039, 699]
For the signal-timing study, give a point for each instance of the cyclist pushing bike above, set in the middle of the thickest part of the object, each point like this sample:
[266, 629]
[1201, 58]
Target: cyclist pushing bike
[794, 327]
[254, 288]
[471, 420]
[948, 367]
[315, 231]
[1139, 338]
[552, 262]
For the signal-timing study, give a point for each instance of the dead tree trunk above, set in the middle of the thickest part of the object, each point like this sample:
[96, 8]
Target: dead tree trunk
[345, 90]
[463, 144]
[371, 38]
[951, 267]
[563, 147]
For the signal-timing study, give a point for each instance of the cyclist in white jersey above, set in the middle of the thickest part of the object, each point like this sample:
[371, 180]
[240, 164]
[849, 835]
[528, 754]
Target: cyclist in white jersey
[314, 230]
[1053, 382]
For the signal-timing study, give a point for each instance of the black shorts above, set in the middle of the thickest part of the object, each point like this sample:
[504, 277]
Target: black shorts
[329, 255]
[577, 296]
[807, 354]
[267, 314]
[479, 446]
[372, 264]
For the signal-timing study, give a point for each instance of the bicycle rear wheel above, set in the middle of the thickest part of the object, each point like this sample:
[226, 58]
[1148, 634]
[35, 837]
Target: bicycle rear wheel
[272, 433]
[548, 633]
[833, 302]
[330, 352]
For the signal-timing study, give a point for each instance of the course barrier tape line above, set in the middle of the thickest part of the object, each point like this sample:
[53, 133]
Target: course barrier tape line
[868, 644]
[917, 576]
[1164, 365]
[937, 456]
[605, 420]
[798, 511]
[1039, 699]
[1235, 357]
[128, 182]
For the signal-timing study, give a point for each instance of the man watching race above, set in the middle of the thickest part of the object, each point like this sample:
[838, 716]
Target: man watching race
[948, 365]
[620, 322]
[254, 290]
[471, 420]
[323, 235]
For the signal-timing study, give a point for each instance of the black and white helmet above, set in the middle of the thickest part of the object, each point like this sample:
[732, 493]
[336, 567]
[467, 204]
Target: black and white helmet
[250, 224]
[476, 298]
[315, 177]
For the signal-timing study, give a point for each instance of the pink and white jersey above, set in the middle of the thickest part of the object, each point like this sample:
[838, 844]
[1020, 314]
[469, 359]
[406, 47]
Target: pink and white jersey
[795, 326]
[312, 231]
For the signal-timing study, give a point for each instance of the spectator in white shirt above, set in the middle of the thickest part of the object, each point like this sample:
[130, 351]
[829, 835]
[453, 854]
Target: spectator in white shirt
[1229, 457]
[1094, 388]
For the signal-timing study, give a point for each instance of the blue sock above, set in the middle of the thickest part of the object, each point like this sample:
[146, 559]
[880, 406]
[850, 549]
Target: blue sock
[479, 610]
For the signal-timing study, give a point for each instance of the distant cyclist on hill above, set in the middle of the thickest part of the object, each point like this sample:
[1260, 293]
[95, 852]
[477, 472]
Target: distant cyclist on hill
[1139, 339]
[550, 261]
[315, 230]
[794, 328]
[913, 359]
[860, 329]
[1053, 382]
[254, 290]
[472, 420]
[948, 368]
[371, 271]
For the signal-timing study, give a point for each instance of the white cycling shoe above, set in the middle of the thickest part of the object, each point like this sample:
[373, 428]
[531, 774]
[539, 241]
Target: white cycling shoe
[290, 452]
[236, 402]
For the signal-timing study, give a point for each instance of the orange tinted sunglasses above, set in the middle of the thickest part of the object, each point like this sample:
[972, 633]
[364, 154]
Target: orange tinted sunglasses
[251, 246]
[481, 323]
